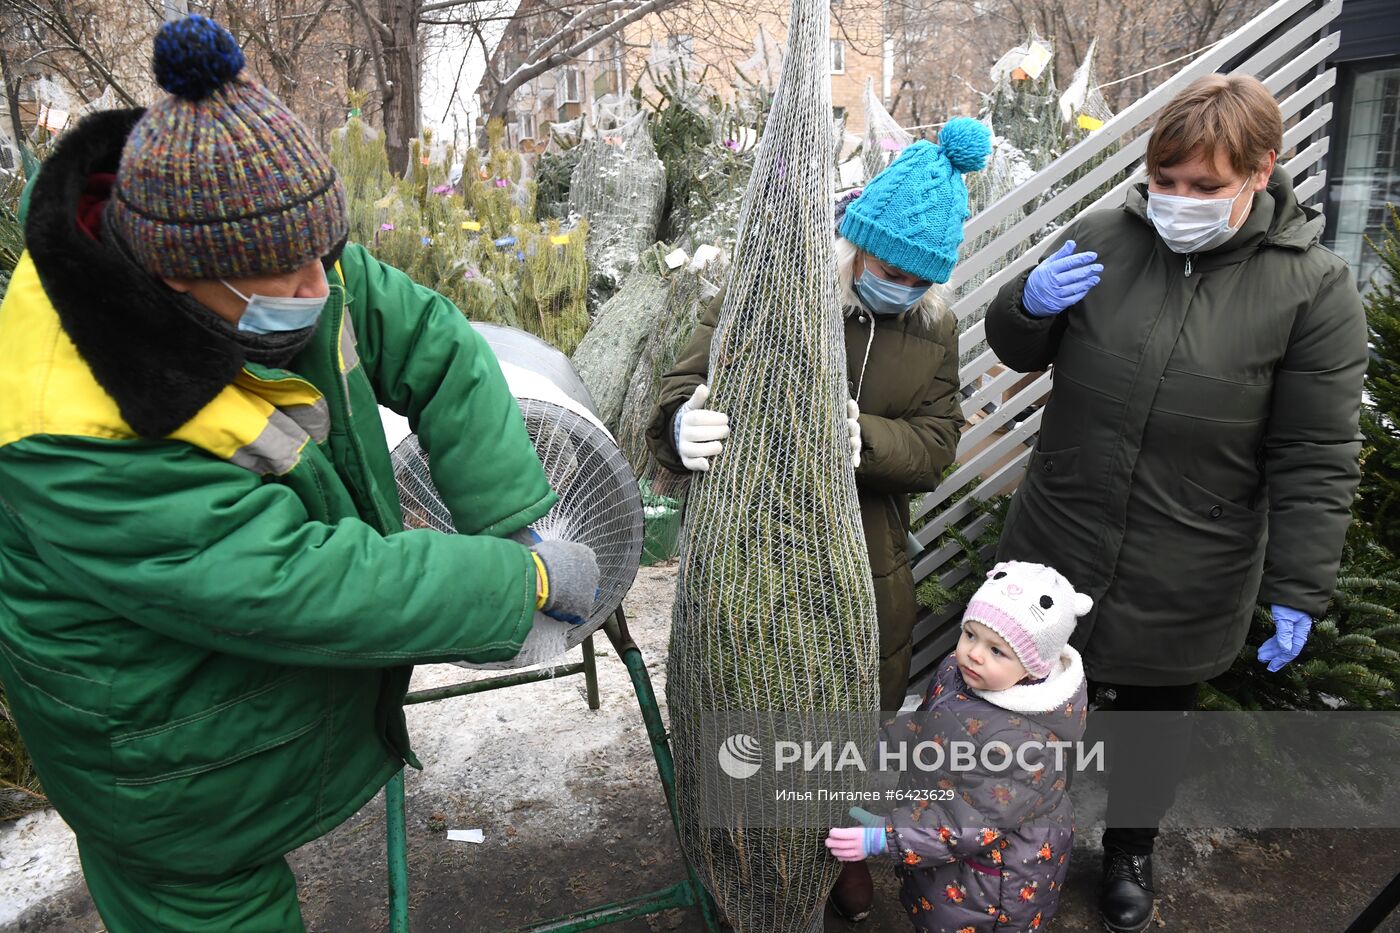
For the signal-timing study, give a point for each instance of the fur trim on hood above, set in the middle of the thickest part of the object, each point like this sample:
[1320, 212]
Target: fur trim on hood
[144, 347]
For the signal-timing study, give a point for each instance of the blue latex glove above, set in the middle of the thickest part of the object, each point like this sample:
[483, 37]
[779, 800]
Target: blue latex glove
[1291, 629]
[1060, 281]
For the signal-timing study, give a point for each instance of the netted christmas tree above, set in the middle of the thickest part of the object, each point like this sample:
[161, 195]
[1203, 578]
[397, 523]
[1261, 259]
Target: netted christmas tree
[688, 293]
[683, 115]
[1024, 106]
[497, 192]
[1352, 657]
[884, 137]
[607, 355]
[555, 169]
[1084, 110]
[774, 609]
[722, 172]
[619, 186]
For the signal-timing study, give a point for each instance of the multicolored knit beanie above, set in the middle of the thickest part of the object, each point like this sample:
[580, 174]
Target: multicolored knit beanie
[911, 214]
[220, 180]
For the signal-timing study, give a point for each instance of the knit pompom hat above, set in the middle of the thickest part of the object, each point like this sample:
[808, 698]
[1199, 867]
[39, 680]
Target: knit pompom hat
[1033, 607]
[911, 215]
[219, 179]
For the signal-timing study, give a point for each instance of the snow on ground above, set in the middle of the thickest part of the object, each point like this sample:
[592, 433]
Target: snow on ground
[38, 858]
[535, 756]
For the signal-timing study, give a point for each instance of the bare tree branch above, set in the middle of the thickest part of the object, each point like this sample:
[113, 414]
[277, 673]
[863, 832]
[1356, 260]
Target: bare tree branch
[530, 69]
[376, 52]
[56, 19]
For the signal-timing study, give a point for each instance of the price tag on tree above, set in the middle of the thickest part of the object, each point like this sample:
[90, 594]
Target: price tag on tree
[1037, 57]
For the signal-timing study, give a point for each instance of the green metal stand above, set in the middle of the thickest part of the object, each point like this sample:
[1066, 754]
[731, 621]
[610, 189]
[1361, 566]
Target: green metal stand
[687, 893]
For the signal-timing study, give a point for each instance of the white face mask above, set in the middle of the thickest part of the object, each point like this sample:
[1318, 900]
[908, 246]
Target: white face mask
[1193, 225]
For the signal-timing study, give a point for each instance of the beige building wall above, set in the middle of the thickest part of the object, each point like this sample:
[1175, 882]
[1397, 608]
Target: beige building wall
[725, 45]
[731, 45]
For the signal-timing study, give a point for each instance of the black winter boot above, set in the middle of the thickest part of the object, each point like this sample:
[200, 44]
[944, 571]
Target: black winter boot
[1125, 894]
[854, 893]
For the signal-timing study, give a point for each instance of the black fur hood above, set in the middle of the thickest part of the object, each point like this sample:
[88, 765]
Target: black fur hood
[141, 341]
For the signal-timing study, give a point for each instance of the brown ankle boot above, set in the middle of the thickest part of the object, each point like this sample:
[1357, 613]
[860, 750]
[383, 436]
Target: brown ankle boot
[854, 893]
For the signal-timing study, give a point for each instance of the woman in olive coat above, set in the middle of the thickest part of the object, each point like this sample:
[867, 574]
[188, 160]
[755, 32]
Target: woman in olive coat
[1198, 454]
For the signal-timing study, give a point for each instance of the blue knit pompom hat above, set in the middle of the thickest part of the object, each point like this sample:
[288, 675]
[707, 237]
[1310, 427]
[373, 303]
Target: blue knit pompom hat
[911, 215]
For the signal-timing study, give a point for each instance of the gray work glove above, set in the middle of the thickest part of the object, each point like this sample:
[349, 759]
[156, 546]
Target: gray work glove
[572, 574]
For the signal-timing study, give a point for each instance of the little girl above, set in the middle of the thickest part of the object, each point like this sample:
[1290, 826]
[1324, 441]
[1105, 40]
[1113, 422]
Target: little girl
[988, 849]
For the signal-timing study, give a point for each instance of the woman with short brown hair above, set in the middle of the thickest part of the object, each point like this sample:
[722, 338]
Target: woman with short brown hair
[1199, 453]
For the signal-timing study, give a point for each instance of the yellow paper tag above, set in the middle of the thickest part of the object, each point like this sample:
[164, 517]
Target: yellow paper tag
[1037, 57]
[470, 225]
[1087, 122]
[559, 239]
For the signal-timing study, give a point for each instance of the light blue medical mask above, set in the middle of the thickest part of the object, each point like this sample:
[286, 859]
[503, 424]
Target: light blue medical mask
[268, 315]
[886, 298]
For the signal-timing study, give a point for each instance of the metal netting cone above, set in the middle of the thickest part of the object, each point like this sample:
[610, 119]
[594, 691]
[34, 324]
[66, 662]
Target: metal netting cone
[774, 608]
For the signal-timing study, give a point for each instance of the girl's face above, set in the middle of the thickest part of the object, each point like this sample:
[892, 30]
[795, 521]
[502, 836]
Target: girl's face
[887, 272]
[986, 660]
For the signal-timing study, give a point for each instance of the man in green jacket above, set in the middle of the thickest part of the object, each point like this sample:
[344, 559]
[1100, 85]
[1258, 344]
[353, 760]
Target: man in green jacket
[209, 608]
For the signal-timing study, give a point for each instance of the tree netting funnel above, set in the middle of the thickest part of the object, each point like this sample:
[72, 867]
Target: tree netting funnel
[599, 503]
[774, 606]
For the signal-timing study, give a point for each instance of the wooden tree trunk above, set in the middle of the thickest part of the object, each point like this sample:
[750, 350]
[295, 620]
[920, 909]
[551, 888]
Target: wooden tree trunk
[401, 113]
[12, 99]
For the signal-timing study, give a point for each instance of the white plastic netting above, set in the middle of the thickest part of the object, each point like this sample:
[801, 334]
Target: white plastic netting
[608, 353]
[884, 137]
[599, 503]
[1085, 111]
[55, 107]
[774, 609]
[1083, 105]
[619, 185]
[711, 214]
[689, 290]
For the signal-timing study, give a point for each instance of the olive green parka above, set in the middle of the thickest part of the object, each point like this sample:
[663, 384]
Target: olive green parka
[1198, 453]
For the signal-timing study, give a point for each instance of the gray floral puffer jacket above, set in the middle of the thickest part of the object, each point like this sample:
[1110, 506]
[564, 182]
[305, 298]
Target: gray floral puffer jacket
[995, 855]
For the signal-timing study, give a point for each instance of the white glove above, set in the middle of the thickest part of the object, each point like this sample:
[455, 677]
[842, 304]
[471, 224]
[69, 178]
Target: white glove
[853, 426]
[699, 432]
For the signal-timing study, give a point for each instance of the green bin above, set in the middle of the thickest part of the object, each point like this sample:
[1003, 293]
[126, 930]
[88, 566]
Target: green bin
[661, 526]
